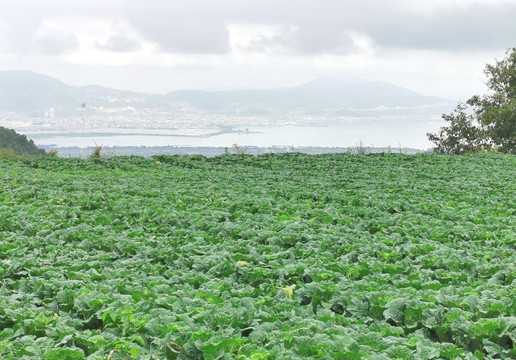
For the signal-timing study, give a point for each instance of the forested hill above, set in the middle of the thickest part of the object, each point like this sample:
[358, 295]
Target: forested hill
[19, 144]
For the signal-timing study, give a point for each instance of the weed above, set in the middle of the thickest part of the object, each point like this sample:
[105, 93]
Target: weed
[53, 153]
[96, 153]
[239, 150]
[361, 149]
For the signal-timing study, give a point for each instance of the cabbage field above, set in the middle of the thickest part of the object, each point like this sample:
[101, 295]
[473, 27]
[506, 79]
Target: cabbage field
[277, 256]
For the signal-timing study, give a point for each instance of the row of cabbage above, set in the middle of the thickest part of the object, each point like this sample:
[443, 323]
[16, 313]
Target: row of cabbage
[270, 257]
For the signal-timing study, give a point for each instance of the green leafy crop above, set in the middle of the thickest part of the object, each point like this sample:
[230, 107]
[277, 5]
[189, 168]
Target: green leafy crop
[270, 257]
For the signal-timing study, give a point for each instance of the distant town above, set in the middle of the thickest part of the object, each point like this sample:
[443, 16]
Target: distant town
[56, 115]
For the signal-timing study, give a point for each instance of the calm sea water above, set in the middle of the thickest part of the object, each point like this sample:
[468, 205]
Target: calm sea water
[394, 134]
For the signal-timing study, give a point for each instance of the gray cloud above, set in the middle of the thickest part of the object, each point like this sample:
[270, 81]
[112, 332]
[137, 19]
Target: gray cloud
[21, 21]
[181, 27]
[17, 37]
[304, 41]
[325, 26]
[56, 44]
[309, 27]
[119, 43]
[476, 27]
[186, 35]
[21, 38]
[306, 27]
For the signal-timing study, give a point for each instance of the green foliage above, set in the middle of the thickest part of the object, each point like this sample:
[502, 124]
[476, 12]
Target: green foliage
[484, 122]
[8, 154]
[14, 143]
[285, 256]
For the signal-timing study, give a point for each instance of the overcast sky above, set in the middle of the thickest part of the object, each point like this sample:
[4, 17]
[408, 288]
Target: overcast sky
[437, 47]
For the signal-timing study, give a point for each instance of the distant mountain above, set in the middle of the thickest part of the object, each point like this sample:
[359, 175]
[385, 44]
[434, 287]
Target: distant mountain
[33, 94]
[354, 93]
[319, 96]
[28, 92]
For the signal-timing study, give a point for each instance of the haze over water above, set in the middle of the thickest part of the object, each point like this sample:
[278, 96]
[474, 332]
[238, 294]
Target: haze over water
[394, 134]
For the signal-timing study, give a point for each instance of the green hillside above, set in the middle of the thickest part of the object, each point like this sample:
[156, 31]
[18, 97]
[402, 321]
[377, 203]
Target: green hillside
[290, 256]
[17, 143]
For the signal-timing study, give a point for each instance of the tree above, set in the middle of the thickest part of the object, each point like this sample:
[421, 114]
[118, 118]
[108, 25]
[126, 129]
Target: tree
[19, 144]
[485, 122]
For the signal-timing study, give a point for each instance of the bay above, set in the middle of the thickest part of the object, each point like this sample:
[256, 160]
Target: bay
[411, 134]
